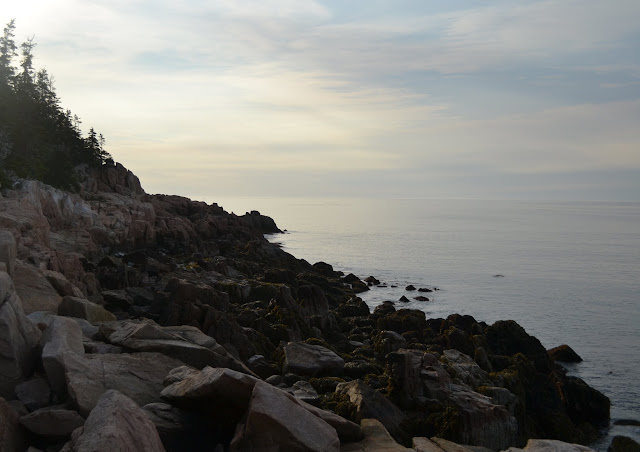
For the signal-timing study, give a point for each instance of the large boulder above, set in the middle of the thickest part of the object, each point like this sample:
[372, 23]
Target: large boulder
[372, 404]
[116, 423]
[275, 422]
[34, 289]
[19, 337]
[311, 360]
[8, 250]
[180, 429]
[138, 376]
[224, 392]
[84, 309]
[623, 444]
[61, 340]
[185, 343]
[564, 354]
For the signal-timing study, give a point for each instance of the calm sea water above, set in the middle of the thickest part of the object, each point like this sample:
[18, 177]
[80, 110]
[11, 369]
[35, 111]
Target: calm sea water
[571, 271]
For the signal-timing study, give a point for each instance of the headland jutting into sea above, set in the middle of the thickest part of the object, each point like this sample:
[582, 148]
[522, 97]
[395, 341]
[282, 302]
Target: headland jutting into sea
[153, 322]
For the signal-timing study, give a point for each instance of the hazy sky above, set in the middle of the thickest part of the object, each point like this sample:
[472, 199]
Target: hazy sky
[409, 98]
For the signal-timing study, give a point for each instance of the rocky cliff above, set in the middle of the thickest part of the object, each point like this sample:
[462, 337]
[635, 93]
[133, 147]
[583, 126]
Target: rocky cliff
[116, 304]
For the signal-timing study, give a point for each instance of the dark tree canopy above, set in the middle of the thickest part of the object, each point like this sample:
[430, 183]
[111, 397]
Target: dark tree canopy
[38, 139]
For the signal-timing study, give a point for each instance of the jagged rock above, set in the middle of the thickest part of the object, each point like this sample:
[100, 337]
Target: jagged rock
[355, 307]
[311, 360]
[565, 354]
[623, 444]
[61, 339]
[19, 337]
[303, 391]
[372, 404]
[116, 423]
[376, 439]
[410, 287]
[8, 250]
[12, 435]
[372, 281]
[275, 422]
[34, 289]
[84, 309]
[138, 376]
[34, 393]
[52, 422]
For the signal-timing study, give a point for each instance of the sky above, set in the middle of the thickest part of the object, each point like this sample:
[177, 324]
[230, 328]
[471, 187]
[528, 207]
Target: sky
[408, 98]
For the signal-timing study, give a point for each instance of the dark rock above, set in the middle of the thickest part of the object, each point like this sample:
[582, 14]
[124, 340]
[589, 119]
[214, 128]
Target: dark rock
[84, 309]
[261, 367]
[324, 268]
[623, 444]
[12, 434]
[410, 287]
[565, 354]
[404, 299]
[633, 422]
[424, 289]
[372, 281]
[355, 307]
[34, 393]
[421, 298]
[179, 429]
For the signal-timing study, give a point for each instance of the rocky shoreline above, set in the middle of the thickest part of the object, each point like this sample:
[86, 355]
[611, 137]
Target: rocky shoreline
[141, 322]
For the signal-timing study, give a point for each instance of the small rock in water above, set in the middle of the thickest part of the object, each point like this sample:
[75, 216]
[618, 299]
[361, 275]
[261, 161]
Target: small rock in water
[498, 276]
[410, 287]
[393, 285]
[623, 444]
[372, 281]
[404, 299]
[424, 289]
[382, 285]
[564, 354]
[421, 298]
[634, 422]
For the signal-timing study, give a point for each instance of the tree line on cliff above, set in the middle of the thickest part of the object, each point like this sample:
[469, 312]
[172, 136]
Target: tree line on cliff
[39, 139]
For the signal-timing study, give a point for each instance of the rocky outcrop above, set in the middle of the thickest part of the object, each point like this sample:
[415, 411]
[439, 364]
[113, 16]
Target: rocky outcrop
[116, 423]
[376, 439]
[203, 301]
[52, 422]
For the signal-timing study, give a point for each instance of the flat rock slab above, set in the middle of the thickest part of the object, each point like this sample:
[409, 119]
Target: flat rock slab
[311, 360]
[34, 393]
[61, 339]
[275, 422]
[376, 439]
[117, 423]
[138, 376]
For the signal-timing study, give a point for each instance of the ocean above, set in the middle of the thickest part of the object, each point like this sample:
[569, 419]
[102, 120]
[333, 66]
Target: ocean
[568, 272]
